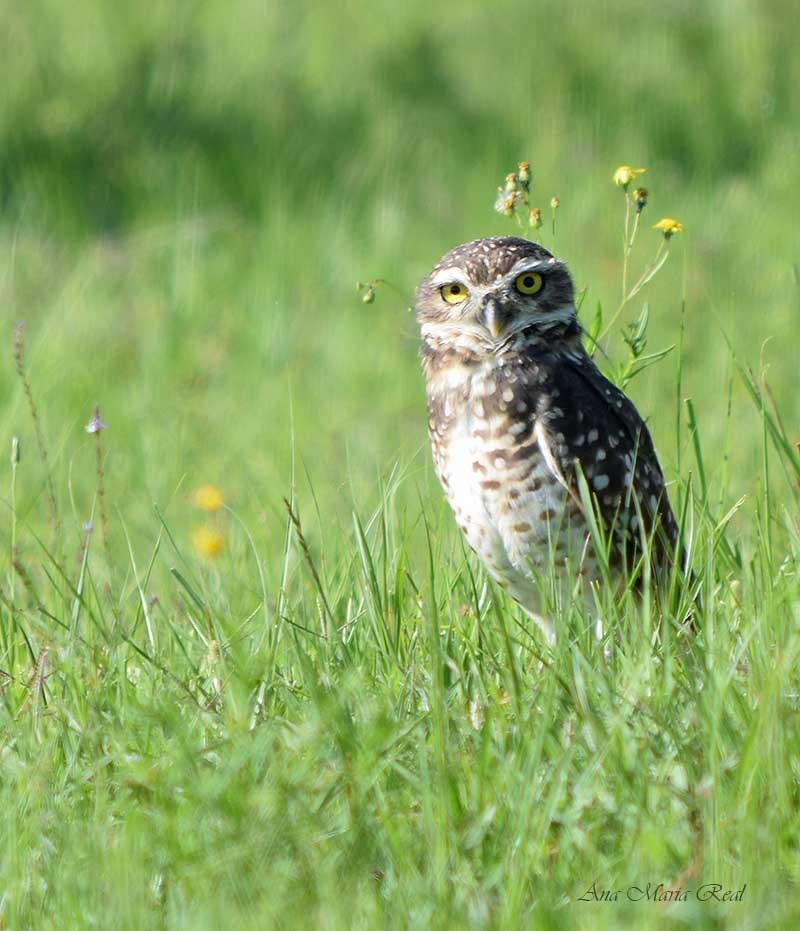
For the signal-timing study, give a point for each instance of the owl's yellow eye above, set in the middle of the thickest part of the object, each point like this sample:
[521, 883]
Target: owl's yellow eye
[454, 293]
[528, 283]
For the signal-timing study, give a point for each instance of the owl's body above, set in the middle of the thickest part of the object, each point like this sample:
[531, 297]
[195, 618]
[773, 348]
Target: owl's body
[517, 411]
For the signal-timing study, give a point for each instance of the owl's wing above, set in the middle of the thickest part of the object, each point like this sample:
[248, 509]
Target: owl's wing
[602, 435]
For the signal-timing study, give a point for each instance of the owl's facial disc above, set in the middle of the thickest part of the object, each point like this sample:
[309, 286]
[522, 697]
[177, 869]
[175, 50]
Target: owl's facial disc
[480, 295]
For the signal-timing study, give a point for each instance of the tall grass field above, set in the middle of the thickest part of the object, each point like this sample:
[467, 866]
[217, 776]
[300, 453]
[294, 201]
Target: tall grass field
[250, 675]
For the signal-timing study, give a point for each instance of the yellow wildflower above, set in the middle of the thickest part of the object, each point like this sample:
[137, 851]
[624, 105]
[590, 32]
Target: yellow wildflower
[207, 543]
[207, 498]
[625, 174]
[640, 198]
[535, 218]
[668, 227]
[555, 203]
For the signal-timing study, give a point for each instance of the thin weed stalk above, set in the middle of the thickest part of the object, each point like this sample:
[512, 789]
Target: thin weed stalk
[96, 427]
[19, 362]
[13, 496]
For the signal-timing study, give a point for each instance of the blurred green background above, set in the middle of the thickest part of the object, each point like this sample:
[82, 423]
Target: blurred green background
[191, 190]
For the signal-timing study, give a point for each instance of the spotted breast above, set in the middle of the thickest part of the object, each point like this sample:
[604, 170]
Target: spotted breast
[488, 424]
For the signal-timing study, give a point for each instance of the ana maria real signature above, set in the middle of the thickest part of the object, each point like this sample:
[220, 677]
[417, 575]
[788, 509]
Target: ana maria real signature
[658, 892]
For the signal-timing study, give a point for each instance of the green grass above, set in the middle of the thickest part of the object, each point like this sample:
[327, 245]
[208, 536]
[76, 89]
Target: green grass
[338, 722]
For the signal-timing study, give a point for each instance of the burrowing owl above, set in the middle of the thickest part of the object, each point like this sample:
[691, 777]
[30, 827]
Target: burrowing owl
[517, 411]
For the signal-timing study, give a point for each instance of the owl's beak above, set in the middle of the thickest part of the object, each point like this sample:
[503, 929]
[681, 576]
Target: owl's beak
[492, 317]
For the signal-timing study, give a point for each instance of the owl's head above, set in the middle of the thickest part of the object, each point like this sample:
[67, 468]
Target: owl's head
[483, 293]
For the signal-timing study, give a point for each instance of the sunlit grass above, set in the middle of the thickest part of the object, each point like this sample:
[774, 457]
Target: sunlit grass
[370, 730]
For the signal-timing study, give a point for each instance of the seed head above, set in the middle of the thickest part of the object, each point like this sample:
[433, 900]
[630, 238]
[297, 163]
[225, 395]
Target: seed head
[506, 202]
[640, 198]
[18, 345]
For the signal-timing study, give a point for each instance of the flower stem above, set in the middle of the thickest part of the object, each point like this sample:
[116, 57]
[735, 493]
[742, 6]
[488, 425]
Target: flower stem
[649, 272]
[635, 228]
[626, 247]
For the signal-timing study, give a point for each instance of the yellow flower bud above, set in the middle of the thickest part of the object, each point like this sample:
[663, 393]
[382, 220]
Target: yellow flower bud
[640, 198]
[625, 174]
[555, 203]
[535, 218]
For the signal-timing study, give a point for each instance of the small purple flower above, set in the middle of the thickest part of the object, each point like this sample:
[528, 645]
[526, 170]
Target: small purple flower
[95, 425]
[87, 526]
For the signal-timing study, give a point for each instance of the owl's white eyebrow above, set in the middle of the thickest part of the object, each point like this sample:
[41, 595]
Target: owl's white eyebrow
[447, 275]
[537, 265]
